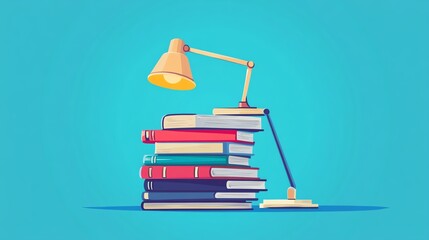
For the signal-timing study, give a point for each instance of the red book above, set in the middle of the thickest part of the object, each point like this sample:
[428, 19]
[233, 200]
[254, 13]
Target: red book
[197, 172]
[152, 136]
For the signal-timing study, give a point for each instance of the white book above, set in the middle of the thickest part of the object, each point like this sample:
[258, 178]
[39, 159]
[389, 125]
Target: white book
[236, 184]
[195, 205]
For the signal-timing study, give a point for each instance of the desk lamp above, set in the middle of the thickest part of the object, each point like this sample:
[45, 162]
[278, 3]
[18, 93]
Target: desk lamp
[173, 72]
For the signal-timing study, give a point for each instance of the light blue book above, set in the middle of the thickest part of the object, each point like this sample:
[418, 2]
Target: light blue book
[221, 148]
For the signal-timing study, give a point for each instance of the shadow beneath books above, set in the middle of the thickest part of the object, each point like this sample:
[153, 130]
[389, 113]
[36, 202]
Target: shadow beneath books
[117, 208]
[322, 208]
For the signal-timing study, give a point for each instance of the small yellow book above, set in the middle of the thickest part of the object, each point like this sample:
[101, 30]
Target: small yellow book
[194, 121]
[204, 148]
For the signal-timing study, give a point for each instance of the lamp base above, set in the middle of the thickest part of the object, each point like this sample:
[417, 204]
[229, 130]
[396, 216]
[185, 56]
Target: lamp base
[291, 202]
[250, 111]
[286, 203]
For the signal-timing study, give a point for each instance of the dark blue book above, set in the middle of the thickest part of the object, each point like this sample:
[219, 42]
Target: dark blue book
[204, 185]
[198, 196]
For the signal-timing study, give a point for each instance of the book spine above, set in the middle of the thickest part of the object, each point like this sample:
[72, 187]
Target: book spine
[185, 185]
[187, 196]
[175, 172]
[148, 136]
[182, 172]
[163, 160]
[152, 136]
[195, 205]
[170, 196]
[172, 115]
[188, 185]
[190, 148]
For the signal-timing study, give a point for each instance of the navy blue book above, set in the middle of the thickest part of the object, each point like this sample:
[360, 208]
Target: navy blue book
[198, 196]
[204, 185]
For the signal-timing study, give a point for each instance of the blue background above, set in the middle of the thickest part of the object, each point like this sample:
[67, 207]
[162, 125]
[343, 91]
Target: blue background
[347, 85]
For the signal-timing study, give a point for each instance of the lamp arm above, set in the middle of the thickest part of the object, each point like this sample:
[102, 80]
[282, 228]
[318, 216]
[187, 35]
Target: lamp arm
[186, 48]
[249, 64]
[279, 147]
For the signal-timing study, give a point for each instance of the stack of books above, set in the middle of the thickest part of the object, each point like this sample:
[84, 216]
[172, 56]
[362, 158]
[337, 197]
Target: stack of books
[201, 162]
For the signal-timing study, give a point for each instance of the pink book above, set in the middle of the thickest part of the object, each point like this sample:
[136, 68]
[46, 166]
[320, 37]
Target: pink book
[197, 172]
[152, 136]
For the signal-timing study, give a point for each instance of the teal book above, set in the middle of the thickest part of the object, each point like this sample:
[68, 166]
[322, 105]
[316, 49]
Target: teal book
[194, 160]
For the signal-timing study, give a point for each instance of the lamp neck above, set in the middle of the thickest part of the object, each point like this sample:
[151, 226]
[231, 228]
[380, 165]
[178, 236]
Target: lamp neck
[176, 45]
[243, 103]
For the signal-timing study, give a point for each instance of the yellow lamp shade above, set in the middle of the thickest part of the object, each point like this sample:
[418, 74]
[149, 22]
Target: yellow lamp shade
[172, 70]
